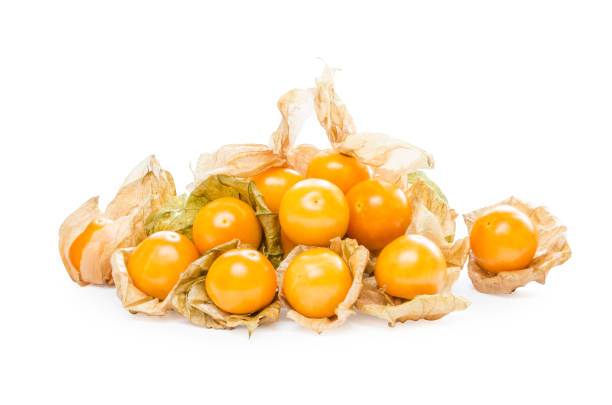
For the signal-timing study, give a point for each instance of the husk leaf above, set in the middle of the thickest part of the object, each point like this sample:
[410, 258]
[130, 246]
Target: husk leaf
[356, 257]
[434, 219]
[179, 213]
[188, 297]
[553, 250]
[144, 191]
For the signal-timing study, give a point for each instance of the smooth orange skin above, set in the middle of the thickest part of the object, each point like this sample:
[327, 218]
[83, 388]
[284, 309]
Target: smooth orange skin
[286, 243]
[503, 239]
[379, 213]
[313, 212]
[241, 281]
[316, 282]
[273, 183]
[223, 220]
[342, 170]
[411, 265]
[158, 261]
[76, 249]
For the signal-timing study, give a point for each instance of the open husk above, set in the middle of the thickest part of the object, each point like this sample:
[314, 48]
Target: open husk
[432, 218]
[552, 251]
[391, 159]
[188, 297]
[180, 212]
[144, 191]
[356, 257]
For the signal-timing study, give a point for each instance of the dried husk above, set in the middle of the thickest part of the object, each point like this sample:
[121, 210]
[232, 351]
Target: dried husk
[392, 159]
[356, 257]
[553, 250]
[188, 297]
[179, 213]
[434, 219]
[144, 191]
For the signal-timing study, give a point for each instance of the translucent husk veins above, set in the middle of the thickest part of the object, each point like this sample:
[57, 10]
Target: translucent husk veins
[553, 250]
[356, 257]
[144, 191]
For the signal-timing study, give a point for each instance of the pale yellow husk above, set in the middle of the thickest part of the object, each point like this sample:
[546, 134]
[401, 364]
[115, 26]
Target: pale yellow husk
[356, 257]
[553, 250]
[391, 159]
[143, 192]
[432, 218]
[188, 296]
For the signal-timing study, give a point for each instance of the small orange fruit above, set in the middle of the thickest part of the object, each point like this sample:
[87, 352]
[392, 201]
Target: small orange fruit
[76, 249]
[223, 220]
[380, 213]
[503, 239]
[158, 261]
[313, 212]
[411, 265]
[342, 170]
[241, 281]
[316, 282]
[273, 183]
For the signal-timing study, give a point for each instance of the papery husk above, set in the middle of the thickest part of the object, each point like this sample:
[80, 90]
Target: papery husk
[144, 191]
[179, 213]
[356, 257]
[553, 250]
[374, 301]
[188, 296]
[434, 219]
[392, 159]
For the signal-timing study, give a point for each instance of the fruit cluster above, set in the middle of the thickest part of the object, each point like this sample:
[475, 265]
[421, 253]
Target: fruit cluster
[322, 232]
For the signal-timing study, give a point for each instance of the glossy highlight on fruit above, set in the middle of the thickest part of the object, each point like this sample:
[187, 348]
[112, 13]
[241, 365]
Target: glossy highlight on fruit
[158, 261]
[503, 239]
[223, 220]
[76, 249]
[241, 281]
[316, 282]
[273, 183]
[313, 212]
[379, 213]
[411, 265]
[342, 170]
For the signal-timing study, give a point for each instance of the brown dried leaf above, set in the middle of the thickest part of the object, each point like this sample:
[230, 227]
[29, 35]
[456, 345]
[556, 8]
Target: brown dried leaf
[356, 257]
[188, 297]
[374, 301]
[295, 107]
[434, 219]
[145, 190]
[553, 250]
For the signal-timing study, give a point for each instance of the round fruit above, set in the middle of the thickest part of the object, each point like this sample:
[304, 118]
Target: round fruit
[241, 281]
[273, 183]
[342, 170]
[379, 211]
[313, 212]
[224, 219]
[503, 239]
[316, 282]
[158, 261]
[411, 265]
[76, 249]
[286, 243]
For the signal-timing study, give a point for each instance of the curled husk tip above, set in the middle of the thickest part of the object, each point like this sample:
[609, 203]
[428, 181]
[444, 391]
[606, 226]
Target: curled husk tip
[553, 250]
[356, 257]
[144, 191]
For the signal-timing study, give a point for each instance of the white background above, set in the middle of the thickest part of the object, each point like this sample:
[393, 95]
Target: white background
[512, 98]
